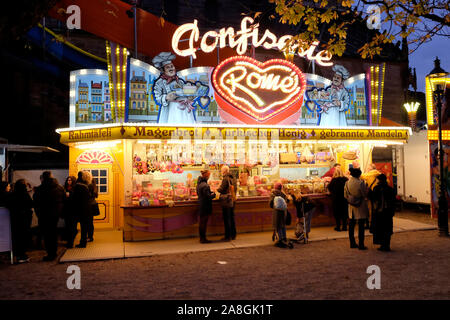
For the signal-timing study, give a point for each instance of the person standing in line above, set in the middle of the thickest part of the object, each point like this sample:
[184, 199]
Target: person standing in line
[227, 191]
[383, 210]
[278, 202]
[370, 177]
[81, 201]
[69, 214]
[5, 194]
[356, 191]
[48, 203]
[93, 194]
[340, 206]
[205, 197]
[21, 209]
[330, 172]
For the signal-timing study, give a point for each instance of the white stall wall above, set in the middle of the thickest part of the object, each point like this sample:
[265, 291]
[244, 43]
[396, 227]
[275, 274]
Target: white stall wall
[32, 176]
[414, 169]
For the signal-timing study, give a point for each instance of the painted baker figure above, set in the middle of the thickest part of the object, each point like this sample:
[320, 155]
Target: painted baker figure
[333, 101]
[174, 95]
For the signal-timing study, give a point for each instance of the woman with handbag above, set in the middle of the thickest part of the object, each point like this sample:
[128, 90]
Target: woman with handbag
[93, 194]
[68, 212]
[81, 199]
[227, 198]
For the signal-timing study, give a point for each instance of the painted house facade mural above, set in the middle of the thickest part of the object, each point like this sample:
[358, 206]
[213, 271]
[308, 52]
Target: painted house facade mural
[159, 93]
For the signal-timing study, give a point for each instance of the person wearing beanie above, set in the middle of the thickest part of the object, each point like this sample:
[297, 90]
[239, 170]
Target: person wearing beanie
[356, 191]
[383, 200]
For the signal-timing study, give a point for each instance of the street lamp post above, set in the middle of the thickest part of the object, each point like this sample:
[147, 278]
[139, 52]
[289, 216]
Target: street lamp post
[411, 109]
[437, 78]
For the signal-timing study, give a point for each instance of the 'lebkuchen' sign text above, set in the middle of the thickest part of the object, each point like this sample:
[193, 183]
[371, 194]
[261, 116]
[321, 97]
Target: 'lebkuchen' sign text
[258, 93]
[240, 40]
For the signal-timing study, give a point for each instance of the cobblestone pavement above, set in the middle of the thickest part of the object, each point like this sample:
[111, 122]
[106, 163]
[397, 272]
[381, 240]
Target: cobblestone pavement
[417, 268]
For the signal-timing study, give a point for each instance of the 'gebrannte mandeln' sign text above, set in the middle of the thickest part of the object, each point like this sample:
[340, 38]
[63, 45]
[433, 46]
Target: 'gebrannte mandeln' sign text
[221, 134]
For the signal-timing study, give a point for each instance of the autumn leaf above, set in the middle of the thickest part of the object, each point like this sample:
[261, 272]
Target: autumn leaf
[161, 22]
[412, 14]
[327, 16]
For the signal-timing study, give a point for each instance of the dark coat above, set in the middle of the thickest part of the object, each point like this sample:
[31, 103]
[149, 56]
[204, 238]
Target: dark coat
[205, 196]
[383, 200]
[81, 199]
[357, 188]
[49, 200]
[5, 199]
[93, 193]
[336, 188]
[68, 203]
[224, 188]
[21, 210]
[278, 216]
[227, 180]
[302, 205]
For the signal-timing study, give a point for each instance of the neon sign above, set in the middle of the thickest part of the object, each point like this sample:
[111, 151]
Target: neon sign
[258, 93]
[240, 41]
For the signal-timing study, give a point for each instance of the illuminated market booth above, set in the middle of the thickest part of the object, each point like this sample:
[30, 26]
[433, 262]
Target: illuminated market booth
[145, 132]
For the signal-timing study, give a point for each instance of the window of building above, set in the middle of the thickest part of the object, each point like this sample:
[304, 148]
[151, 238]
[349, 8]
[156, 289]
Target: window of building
[100, 176]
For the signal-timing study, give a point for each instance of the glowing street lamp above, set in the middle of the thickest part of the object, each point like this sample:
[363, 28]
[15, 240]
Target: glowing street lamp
[411, 108]
[437, 80]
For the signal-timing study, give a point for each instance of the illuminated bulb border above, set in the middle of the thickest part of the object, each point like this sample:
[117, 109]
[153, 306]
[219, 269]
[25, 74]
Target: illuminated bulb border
[257, 116]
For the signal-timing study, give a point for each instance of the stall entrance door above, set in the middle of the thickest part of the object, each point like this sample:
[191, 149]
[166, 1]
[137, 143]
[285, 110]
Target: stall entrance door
[103, 177]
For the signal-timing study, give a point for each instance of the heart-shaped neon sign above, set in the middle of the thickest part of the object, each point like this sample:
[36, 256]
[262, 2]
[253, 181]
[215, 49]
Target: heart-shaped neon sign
[258, 93]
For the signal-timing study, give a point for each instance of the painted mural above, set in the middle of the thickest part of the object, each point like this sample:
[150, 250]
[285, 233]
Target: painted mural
[92, 101]
[159, 93]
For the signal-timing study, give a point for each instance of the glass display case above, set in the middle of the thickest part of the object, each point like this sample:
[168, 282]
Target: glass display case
[165, 172]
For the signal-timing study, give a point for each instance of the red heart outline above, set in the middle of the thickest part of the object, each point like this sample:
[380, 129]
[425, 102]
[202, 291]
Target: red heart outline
[242, 112]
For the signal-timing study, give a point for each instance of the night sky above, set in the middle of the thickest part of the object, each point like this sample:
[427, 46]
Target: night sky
[423, 59]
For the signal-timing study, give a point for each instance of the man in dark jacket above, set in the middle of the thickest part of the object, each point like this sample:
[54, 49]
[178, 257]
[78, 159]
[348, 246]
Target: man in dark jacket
[205, 196]
[227, 191]
[48, 203]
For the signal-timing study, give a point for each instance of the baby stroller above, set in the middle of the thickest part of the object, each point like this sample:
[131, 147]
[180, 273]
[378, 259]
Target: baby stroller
[300, 227]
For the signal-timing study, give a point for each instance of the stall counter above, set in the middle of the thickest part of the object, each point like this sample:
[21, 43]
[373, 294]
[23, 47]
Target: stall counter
[252, 214]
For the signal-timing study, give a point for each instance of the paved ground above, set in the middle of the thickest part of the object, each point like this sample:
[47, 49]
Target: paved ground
[417, 268]
[109, 244]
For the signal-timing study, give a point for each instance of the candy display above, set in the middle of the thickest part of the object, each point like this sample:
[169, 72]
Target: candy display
[164, 173]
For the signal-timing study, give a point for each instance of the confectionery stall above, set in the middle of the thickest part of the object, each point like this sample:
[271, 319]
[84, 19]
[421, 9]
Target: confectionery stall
[153, 170]
[145, 131]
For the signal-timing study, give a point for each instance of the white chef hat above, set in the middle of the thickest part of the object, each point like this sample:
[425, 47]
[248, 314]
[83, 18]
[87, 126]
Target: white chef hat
[162, 59]
[340, 70]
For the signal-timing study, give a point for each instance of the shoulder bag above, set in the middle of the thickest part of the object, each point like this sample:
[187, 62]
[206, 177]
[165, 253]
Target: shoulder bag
[352, 200]
[226, 199]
